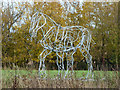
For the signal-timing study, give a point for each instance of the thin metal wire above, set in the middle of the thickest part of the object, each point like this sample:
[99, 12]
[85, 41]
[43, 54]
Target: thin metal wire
[61, 40]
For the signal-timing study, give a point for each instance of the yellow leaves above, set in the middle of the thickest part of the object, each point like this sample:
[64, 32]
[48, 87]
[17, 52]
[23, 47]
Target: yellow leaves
[7, 59]
[36, 59]
[15, 27]
[20, 18]
[51, 61]
[16, 7]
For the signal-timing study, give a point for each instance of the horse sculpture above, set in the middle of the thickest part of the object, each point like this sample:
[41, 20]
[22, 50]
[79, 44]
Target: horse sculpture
[61, 40]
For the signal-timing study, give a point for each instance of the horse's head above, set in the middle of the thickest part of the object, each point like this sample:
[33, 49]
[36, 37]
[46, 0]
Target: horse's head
[41, 24]
[38, 21]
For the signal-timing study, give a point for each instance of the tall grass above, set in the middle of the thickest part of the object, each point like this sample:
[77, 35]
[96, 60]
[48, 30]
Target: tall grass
[30, 79]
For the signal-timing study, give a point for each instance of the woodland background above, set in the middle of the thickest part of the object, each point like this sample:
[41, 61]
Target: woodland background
[101, 18]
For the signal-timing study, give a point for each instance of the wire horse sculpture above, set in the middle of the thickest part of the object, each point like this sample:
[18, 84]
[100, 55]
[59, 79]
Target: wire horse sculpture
[61, 40]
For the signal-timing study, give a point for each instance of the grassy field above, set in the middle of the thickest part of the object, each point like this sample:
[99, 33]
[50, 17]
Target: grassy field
[53, 73]
[29, 78]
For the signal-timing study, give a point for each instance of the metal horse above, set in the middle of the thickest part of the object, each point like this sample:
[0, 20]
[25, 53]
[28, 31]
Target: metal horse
[61, 40]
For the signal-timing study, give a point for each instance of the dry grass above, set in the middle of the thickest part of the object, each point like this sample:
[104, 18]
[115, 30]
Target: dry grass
[34, 82]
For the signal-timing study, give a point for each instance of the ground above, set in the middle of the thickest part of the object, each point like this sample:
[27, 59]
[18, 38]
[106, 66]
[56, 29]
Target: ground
[30, 78]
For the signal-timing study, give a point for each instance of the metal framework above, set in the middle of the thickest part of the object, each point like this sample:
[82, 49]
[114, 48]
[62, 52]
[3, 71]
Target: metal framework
[64, 41]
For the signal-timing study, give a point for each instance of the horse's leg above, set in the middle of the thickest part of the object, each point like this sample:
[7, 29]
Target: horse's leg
[41, 61]
[42, 56]
[60, 64]
[63, 68]
[59, 68]
[90, 67]
[70, 61]
[88, 58]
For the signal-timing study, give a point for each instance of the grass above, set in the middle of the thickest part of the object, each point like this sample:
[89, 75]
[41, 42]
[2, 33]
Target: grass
[29, 78]
[52, 73]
